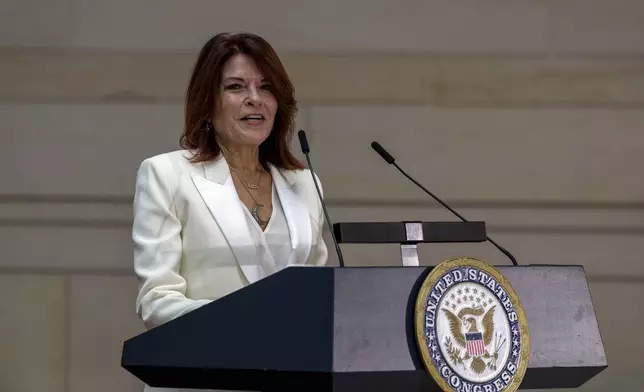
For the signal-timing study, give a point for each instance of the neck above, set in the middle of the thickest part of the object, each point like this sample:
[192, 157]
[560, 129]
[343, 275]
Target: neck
[242, 158]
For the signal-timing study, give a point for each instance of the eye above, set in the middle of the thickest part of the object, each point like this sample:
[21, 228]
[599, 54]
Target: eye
[267, 87]
[234, 86]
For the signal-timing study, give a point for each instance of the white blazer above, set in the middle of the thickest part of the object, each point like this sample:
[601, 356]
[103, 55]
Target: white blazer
[192, 243]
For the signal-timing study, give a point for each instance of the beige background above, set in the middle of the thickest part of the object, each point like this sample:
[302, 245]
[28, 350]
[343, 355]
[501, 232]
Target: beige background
[528, 114]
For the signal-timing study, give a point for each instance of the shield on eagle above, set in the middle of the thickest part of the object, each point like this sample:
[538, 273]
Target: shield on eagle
[474, 343]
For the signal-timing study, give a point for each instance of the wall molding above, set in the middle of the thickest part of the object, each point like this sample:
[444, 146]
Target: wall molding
[33, 199]
[564, 217]
[31, 75]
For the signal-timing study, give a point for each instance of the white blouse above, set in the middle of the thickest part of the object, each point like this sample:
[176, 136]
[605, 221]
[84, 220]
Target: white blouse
[274, 242]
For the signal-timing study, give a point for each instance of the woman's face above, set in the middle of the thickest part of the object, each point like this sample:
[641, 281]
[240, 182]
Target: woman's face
[246, 106]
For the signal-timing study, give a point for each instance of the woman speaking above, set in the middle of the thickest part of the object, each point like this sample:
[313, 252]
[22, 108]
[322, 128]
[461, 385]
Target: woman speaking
[233, 205]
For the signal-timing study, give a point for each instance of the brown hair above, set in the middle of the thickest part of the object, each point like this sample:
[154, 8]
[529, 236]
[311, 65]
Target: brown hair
[202, 94]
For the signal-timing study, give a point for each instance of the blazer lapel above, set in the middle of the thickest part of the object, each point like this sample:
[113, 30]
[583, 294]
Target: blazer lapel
[218, 192]
[297, 217]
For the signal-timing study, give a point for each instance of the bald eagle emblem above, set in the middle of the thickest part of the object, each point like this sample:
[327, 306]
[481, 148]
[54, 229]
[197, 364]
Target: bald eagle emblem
[472, 330]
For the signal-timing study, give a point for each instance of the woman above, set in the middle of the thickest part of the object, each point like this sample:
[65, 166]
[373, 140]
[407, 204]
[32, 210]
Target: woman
[234, 205]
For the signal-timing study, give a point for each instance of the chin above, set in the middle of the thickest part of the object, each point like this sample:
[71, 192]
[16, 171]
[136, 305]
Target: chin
[256, 138]
[252, 135]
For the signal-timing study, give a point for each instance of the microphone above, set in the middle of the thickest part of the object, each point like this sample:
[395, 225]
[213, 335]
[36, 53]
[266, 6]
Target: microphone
[304, 145]
[390, 160]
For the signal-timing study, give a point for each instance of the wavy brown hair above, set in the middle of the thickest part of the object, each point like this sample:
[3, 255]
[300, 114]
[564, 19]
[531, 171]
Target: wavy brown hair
[202, 94]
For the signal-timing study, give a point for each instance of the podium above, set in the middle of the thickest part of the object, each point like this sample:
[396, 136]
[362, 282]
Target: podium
[352, 329]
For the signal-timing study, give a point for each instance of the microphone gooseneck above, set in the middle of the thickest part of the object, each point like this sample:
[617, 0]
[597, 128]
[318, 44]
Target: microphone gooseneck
[304, 145]
[390, 159]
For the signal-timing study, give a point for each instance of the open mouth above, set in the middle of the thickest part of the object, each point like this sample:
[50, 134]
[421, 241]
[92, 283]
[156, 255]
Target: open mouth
[253, 117]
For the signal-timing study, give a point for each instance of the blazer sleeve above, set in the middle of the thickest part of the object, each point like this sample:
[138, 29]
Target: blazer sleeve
[319, 252]
[156, 233]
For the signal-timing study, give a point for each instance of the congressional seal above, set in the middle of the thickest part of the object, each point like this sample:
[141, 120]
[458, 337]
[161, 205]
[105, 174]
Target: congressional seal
[471, 329]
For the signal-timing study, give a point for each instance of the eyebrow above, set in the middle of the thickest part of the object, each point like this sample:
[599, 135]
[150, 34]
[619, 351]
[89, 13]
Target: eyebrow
[235, 78]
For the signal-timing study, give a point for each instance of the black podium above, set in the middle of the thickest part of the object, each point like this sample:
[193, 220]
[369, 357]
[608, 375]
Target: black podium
[352, 329]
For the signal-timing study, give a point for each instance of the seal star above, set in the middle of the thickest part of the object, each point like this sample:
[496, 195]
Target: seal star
[435, 355]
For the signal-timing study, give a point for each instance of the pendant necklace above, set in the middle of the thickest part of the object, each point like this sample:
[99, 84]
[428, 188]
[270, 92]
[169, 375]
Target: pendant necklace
[254, 211]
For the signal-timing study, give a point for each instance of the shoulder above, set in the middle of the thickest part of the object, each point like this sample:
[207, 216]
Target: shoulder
[178, 159]
[167, 167]
[299, 176]
[169, 162]
[302, 179]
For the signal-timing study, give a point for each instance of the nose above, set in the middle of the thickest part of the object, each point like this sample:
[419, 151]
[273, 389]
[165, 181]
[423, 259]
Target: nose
[253, 99]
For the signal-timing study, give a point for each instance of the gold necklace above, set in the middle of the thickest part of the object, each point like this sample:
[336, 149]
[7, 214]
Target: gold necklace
[254, 211]
[247, 183]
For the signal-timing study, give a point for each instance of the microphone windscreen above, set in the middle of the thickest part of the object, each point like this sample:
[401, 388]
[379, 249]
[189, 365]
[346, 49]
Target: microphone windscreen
[304, 144]
[382, 152]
